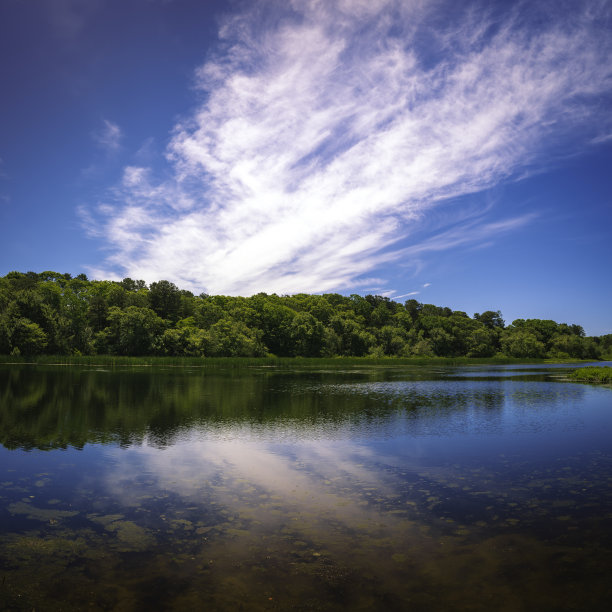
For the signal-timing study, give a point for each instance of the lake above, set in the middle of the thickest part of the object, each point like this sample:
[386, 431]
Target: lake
[364, 488]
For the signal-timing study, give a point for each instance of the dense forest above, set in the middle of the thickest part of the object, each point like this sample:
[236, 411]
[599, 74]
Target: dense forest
[56, 314]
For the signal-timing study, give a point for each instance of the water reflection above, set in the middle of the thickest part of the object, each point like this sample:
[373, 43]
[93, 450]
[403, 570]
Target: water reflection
[46, 408]
[365, 490]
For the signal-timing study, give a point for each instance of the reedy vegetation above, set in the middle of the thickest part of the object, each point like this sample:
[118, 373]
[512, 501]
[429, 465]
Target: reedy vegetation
[596, 374]
[55, 314]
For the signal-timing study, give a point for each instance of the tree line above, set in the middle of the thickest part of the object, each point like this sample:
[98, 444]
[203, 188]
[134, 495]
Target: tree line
[56, 314]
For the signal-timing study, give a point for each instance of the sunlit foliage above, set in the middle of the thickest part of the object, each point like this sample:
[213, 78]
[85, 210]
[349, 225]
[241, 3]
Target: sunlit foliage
[55, 314]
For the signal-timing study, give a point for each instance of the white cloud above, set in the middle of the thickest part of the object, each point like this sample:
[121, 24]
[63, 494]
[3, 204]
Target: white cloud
[187, 469]
[471, 232]
[601, 139]
[405, 295]
[108, 136]
[328, 130]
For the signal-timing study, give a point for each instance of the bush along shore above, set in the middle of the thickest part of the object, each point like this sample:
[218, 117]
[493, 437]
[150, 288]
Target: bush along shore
[54, 314]
[593, 374]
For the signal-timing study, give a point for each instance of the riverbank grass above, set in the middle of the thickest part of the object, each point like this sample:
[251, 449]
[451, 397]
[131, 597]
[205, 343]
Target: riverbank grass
[240, 362]
[593, 374]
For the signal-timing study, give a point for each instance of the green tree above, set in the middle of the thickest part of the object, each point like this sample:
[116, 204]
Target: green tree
[482, 342]
[413, 308]
[391, 340]
[26, 337]
[133, 331]
[423, 348]
[354, 340]
[274, 320]
[187, 341]
[133, 285]
[522, 344]
[165, 299]
[97, 312]
[207, 312]
[55, 313]
[491, 319]
[229, 338]
[307, 335]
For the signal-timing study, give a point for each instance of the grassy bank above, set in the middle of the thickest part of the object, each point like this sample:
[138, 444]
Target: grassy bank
[593, 374]
[238, 362]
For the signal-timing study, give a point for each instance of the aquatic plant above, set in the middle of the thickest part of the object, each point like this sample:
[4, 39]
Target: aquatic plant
[594, 374]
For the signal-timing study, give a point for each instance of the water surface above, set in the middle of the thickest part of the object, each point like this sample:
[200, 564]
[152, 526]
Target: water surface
[474, 488]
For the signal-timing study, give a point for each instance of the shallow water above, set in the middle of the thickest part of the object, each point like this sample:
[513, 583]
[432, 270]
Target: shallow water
[473, 488]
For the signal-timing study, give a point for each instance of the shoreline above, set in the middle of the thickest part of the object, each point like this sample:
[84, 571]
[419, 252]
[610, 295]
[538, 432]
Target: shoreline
[272, 362]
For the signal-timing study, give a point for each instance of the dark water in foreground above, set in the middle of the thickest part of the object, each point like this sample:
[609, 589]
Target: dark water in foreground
[481, 488]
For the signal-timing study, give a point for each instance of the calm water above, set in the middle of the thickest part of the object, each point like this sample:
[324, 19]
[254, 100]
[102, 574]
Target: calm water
[481, 488]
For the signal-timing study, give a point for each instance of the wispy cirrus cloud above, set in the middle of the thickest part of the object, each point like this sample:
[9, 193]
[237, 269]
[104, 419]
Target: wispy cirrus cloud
[108, 136]
[327, 131]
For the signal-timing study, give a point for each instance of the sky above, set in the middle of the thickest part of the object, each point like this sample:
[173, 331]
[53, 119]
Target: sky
[456, 153]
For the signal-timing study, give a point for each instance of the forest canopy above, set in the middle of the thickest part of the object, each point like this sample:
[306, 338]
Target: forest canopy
[56, 314]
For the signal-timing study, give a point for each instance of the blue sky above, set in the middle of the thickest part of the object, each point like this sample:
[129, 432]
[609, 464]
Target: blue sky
[457, 153]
